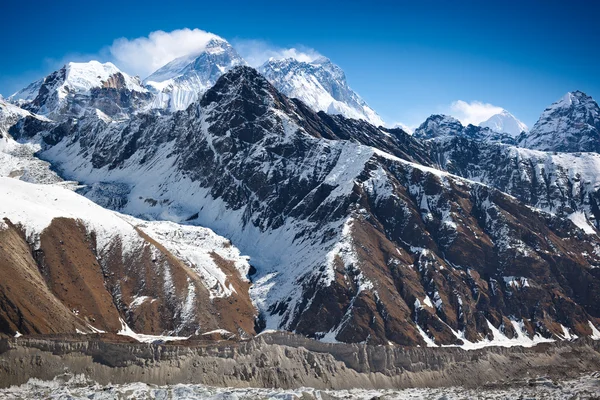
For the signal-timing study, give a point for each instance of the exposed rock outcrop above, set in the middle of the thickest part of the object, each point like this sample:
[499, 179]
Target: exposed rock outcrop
[285, 361]
[69, 265]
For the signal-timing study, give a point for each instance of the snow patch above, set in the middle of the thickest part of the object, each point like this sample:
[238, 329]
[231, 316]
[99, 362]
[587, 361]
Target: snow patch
[579, 219]
[127, 331]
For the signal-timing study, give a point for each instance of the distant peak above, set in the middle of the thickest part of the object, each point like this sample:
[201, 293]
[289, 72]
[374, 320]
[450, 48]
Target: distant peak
[442, 117]
[438, 125]
[321, 60]
[569, 99]
[505, 122]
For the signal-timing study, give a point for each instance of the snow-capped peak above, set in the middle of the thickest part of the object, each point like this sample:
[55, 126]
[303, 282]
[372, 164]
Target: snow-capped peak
[78, 78]
[404, 127]
[571, 124]
[28, 93]
[77, 86]
[505, 122]
[321, 85]
[183, 80]
[438, 125]
[82, 77]
[571, 99]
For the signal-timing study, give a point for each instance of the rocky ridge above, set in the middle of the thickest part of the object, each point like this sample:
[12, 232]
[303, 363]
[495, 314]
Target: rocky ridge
[350, 242]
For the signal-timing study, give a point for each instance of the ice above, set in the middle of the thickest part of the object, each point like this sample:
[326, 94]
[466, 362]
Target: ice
[79, 387]
[579, 219]
[127, 331]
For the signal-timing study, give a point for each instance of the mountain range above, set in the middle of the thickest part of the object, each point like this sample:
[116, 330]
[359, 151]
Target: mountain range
[217, 200]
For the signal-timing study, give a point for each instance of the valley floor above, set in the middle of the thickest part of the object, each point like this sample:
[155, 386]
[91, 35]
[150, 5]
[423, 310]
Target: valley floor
[99, 367]
[77, 387]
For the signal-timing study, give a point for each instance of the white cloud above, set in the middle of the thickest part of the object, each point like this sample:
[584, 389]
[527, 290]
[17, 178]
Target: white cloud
[144, 55]
[256, 52]
[474, 112]
[406, 128]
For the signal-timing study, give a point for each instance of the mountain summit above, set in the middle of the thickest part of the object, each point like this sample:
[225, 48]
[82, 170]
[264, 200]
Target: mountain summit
[77, 87]
[442, 127]
[321, 85]
[571, 124]
[505, 122]
[183, 80]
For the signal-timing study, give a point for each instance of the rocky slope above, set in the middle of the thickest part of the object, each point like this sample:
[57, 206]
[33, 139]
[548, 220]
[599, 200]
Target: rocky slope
[70, 265]
[562, 183]
[572, 124]
[18, 160]
[350, 242]
[321, 85]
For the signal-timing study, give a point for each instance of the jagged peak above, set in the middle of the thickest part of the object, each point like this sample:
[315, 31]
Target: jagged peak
[181, 65]
[570, 124]
[445, 126]
[435, 120]
[442, 117]
[570, 99]
[240, 80]
[84, 76]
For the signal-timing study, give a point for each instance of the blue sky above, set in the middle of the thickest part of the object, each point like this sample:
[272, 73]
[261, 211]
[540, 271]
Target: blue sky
[406, 59]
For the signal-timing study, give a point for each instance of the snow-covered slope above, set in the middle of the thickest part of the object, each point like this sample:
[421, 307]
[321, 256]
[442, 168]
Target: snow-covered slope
[560, 183]
[321, 85]
[35, 206]
[78, 87]
[18, 159]
[9, 115]
[349, 242]
[183, 80]
[505, 122]
[83, 77]
[159, 277]
[571, 124]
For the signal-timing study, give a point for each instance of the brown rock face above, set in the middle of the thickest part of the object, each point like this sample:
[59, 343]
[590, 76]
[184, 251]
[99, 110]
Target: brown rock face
[115, 81]
[67, 262]
[66, 286]
[27, 305]
[454, 261]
